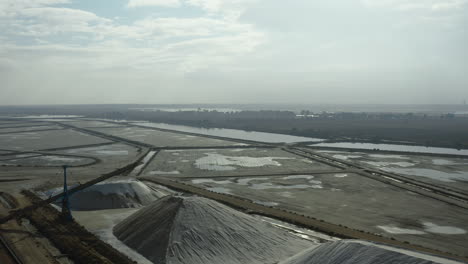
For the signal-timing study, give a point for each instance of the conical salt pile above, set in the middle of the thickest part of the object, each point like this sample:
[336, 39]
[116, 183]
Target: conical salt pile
[198, 230]
[361, 252]
[113, 195]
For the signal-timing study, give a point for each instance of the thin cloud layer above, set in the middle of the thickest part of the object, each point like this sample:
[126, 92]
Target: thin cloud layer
[156, 40]
[143, 3]
[417, 4]
[168, 51]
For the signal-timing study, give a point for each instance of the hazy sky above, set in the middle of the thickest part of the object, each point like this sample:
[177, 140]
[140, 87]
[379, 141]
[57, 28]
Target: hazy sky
[233, 51]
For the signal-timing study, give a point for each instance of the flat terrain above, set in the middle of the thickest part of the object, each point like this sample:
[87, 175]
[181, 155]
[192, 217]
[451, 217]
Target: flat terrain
[21, 124]
[41, 140]
[38, 160]
[229, 162]
[91, 124]
[4, 130]
[162, 139]
[355, 201]
[435, 130]
[441, 171]
[280, 177]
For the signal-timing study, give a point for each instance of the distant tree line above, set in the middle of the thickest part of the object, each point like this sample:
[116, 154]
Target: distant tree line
[445, 130]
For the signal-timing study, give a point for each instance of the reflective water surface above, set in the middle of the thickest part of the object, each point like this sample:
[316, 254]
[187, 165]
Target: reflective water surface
[233, 133]
[393, 147]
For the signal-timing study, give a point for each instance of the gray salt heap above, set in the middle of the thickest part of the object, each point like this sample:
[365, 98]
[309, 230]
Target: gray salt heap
[113, 195]
[197, 230]
[361, 252]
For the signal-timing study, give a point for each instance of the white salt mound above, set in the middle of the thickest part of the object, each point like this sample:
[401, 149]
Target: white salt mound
[361, 252]
[113, 195]
[197, 230]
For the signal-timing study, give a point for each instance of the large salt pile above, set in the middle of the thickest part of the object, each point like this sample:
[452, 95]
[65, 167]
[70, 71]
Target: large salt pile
[361, 252]
[197, 230]
[114, 194]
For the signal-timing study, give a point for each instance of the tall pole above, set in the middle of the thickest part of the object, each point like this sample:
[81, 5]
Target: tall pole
[66, 212]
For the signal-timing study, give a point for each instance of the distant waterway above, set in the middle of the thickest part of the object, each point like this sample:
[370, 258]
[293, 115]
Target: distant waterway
[393, 147]
[182, 109]
[47, 116]
[233, 133]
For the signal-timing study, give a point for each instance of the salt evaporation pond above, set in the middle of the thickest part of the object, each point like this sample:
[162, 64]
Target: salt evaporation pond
[432, 174]
[46, 116]
[258, 185]
[426, 227]
[218, 162]
[393, 147]
[233, 133]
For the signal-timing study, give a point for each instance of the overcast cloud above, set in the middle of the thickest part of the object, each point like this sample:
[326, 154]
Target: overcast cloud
[233, 51]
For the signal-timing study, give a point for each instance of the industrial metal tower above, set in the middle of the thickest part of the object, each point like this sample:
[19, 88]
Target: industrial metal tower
[66, 212]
